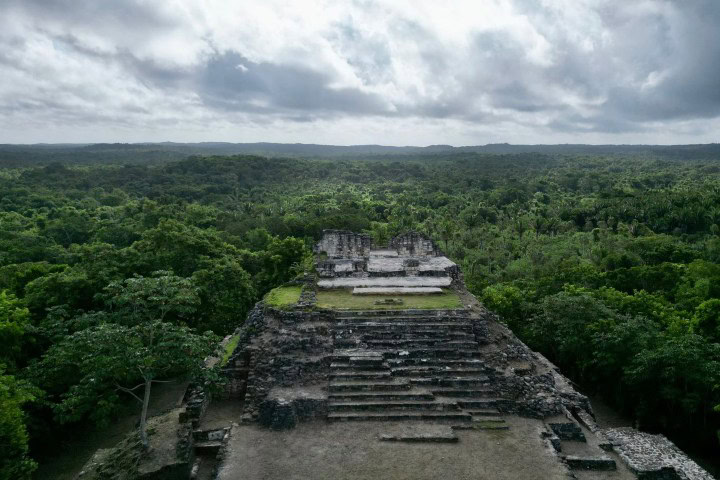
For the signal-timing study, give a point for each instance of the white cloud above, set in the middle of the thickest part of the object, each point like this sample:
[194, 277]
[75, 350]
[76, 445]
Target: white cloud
[393, 72]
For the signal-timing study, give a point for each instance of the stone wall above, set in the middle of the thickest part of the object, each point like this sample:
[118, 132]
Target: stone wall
[415, 244]
[343, 244]
[236, 373]
[531, 384]
[653, 457]
[290, 349]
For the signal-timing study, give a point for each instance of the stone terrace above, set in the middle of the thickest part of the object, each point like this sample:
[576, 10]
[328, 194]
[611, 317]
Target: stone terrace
[401, 365]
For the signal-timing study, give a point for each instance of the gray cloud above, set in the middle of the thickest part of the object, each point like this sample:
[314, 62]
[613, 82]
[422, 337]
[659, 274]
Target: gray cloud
[230, 81]
[594, 68]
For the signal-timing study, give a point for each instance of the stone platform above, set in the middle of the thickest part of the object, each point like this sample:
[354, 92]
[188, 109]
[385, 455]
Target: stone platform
[354, 451]
[385, 282]
[397, 290]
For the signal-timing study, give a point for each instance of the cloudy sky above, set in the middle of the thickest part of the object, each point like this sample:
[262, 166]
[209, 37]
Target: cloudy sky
[400, 72]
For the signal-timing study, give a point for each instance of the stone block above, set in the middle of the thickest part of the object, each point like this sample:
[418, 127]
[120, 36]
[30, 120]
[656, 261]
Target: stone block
[277, 414]
[653, 457]
[568, 431]
[397, 291]
[590, 463]
[421, 434]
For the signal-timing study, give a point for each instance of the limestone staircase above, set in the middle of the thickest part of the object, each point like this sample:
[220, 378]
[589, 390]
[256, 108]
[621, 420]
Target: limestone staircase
[410, 365]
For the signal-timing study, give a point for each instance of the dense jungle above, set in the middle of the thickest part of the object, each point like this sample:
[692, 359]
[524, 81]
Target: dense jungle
[607, 263]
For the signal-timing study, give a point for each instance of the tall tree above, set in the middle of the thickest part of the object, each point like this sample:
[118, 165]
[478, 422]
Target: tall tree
[143, 348]
[14, 461]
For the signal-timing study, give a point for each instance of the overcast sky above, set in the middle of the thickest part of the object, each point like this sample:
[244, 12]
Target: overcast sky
[389, 72]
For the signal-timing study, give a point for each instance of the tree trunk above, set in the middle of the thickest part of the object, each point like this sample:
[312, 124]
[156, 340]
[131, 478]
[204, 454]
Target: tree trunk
[143, 415]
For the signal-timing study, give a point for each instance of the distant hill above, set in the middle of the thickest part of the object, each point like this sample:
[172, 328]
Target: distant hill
[152, 153]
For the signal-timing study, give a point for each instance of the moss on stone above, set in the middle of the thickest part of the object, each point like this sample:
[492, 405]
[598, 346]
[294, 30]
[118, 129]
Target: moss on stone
[283, 297]
[229, 349]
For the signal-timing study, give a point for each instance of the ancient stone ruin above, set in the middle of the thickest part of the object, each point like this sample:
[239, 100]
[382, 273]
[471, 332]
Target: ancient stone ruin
[386, 367]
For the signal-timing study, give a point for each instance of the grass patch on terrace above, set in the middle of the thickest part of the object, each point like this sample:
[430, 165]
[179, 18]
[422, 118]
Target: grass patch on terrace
[283, 297]
[229, 349]
[343, 298]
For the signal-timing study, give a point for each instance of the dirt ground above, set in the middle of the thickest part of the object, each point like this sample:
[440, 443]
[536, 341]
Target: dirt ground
[352, 451]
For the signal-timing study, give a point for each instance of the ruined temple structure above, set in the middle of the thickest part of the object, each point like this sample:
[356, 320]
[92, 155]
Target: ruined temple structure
[400, 389]
[411, 264]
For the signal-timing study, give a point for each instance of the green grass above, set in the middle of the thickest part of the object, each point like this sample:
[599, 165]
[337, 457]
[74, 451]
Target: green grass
[283, 297]
[343, 298]
[229, 349]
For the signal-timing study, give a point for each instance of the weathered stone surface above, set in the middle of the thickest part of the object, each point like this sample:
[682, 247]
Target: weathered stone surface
[653, 457]
[420, 434]
[278, 414]
[386, 282]
[414, 243]
[282, 349]
[341, 243]
[346, 255]
[170, 454]
[590, 463]
[568, 431]
[396, 290]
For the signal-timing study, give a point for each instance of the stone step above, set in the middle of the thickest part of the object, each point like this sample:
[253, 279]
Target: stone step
[392, 405]
[378, 367]
[415, 322]
[413, 335]
[602, 463]
[399, 313]
[348, 353]
[211, 435]
[360, 375]
[436, 371]
[380, 396]
[435, 362]
[485, 412]
[465, 382]
[475, 403]
[375, 360]
[367, 362]
[481, 426]
[402, 415]
[437, 352]
[463, 392]
[208, 448]
[367, 386]
[403, 329]
[424, 434]
[351, 282]
[420, 321]
[492, 420]
[429, 342]
[427, 316]
[347, 342]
